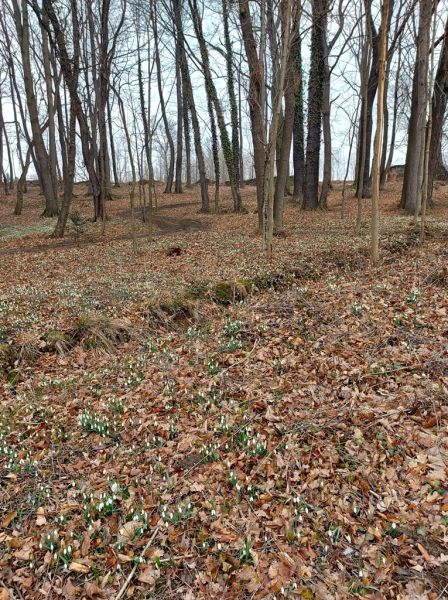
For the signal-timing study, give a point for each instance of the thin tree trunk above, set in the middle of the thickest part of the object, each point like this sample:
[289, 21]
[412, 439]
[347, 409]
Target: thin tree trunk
[69, 179]
[170, 175]
[288, 125]
[240, 124]
[133, 182]
[256, 101]
[268, 176]
[211, 91]
[180, 112]
[364, 119]
[188, 91]
[351, 138]
[386, 171]
[51, 111]
[112, 145]
[428, 100]
[326, 125]
[41, 155]
[21, 183]
[232, 95]
[379, 131]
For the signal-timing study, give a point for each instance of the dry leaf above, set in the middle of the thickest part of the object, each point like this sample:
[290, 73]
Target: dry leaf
[92, 591]
[4, 594]
[149, 576]
[69, 590]
[7, 520]
[424, 552]
[85, 545]
[124, 558]
[79, 567]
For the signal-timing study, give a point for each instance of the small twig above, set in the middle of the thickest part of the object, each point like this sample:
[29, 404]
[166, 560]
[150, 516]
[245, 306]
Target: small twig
[132, 573]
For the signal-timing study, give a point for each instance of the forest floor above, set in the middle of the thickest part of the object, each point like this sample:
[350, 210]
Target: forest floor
[193, 422]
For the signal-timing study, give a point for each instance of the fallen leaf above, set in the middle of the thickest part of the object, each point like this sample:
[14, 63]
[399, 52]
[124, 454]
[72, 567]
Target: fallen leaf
[92, 590]
[149, 576]
[79, 567]
[424, 552]
[85, 545]
[7, 520]
[69, 590]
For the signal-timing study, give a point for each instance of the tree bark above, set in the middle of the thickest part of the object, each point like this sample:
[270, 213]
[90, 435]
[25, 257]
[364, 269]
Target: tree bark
[170, 174]
[287, 129]
[256, 105]
[211, 91]
[42, 159]
[379, 131]
[232, 95]
[315, 102]
[366, 118]
[410, 197]
[385, 172]
[179, 140]
[21, 183]
[189, 99]
[298, 131]
[439, 102]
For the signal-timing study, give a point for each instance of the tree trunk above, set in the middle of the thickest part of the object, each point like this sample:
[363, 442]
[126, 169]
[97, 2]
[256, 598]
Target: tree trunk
[385, 172]
[379, 130]
[211, 91]
[362, 136]
[51, 111]
[170, 174]
[410, 197]
[315, 100]
[428, 100]
[69, 179]
[439, 102]
[366, 119]
[298, 131]
[240, 124]
[232, 95]
[112, 145]
[268, 176]
[189, 98]
[326, 126]
[256, 105]
[288, 125]
[179, 141]
[21, 183]
[41, 155]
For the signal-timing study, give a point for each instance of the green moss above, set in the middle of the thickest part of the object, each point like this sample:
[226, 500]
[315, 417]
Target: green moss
[227, 292]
